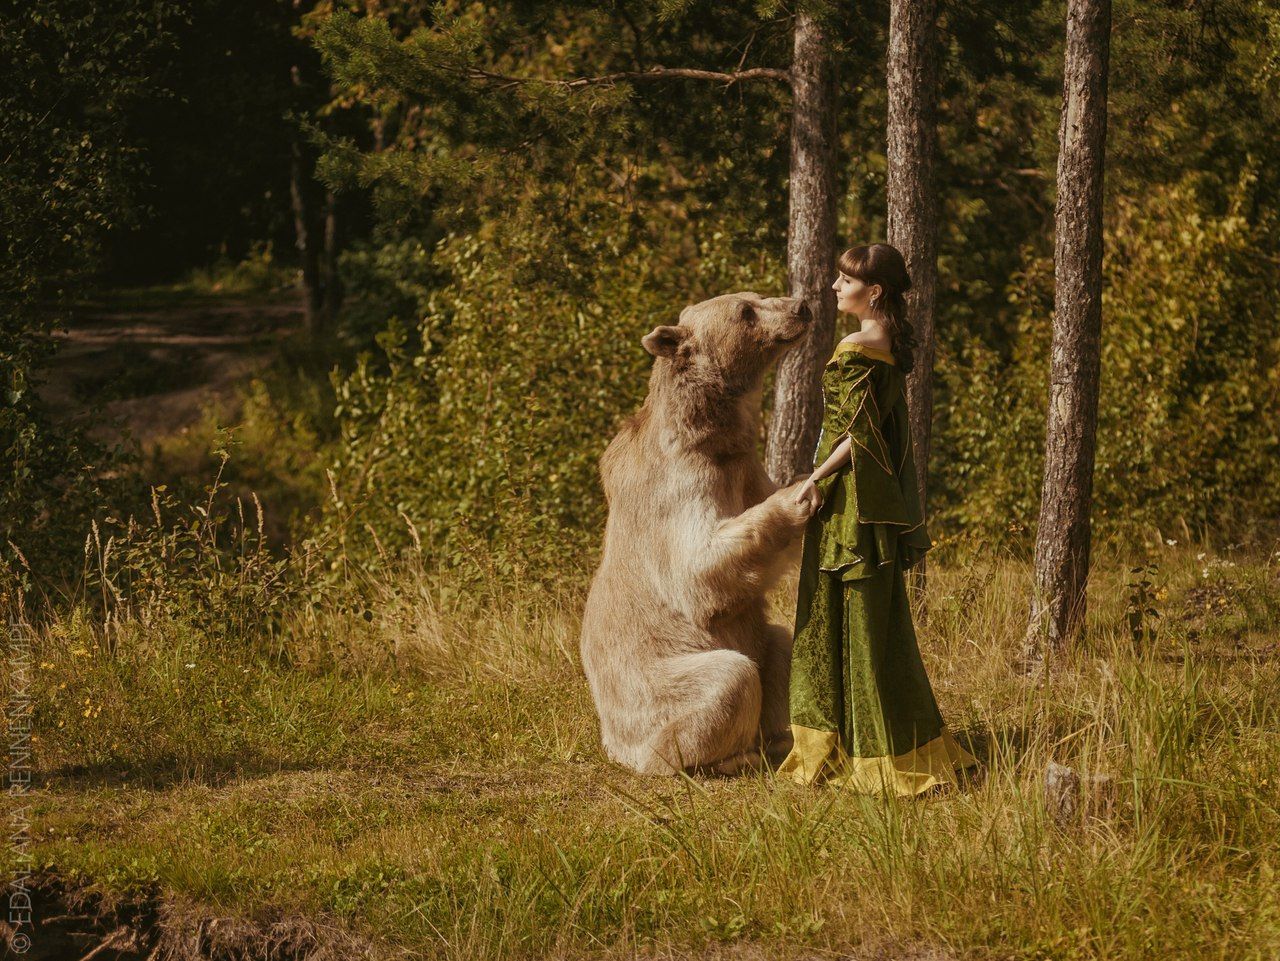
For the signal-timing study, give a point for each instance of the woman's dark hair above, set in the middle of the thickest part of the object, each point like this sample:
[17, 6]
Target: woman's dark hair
[883, 264]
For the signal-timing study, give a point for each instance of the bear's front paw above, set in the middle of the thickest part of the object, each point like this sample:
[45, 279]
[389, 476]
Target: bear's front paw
[794, 507]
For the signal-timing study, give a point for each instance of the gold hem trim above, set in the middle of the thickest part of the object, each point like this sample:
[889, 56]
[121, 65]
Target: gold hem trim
[818, 757]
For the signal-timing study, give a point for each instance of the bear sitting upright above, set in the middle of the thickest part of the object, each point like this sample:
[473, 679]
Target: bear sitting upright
[685, 670]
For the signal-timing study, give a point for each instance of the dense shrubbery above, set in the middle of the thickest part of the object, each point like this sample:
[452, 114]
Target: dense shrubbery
[1188, 415]
[524, 237]
[512, 356]
[485, 427]
[480, 427]
[68, 174]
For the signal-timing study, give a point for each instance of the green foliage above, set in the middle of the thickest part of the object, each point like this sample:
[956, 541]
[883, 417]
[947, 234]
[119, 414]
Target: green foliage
[507, 177]
[1141, 612]
[1188, 408]
[530, 232]
[193, 563]
[69, 71]
[482, 435]
[258, 272]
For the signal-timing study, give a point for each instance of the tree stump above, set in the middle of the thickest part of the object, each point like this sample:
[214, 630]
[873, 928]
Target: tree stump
[1061, 793]
[1070, 795]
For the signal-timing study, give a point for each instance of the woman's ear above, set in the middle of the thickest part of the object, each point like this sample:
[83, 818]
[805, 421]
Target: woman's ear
[664, 341]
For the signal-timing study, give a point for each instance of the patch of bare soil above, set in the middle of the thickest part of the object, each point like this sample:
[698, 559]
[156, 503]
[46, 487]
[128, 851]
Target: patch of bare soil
[151, 370]
[77, 924]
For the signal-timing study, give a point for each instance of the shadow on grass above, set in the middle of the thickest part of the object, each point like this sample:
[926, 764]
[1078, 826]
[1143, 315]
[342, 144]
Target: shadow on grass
[166, 772]
[986, 744]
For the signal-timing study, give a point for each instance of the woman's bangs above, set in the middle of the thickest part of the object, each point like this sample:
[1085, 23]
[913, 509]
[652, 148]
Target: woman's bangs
[853, 263]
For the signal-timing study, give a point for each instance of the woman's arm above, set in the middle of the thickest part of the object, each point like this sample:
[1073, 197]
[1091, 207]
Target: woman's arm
[809, 492]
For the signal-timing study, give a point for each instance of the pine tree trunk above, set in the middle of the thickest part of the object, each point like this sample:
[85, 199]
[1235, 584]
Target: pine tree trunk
[331, 280]
[305, 235]
[797, 405]
[1062, 541]
[912, 90]
[301, 186]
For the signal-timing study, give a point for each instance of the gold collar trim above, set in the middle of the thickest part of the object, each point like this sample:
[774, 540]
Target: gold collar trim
[873, 353]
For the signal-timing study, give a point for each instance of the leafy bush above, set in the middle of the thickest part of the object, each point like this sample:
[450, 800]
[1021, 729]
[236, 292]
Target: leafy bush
[68, 175]
[1187, 419]
[482, 433]
[258, 272]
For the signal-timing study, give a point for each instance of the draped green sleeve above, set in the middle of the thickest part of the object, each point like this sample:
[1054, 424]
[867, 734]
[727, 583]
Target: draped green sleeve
[871, 508]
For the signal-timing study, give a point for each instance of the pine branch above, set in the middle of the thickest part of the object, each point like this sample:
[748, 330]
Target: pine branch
[504, 81]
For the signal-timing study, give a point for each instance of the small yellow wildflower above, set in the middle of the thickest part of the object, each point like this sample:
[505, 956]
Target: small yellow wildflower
[47, 665]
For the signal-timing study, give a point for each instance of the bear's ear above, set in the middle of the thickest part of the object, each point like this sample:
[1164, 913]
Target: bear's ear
[665, 341]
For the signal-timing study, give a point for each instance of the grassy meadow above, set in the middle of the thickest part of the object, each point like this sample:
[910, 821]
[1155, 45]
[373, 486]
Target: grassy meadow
[428, 779]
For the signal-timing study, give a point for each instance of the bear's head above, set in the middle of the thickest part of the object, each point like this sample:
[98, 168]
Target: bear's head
[732, 338]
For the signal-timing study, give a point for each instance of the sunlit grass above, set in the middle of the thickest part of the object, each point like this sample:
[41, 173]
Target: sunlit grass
[433, 777]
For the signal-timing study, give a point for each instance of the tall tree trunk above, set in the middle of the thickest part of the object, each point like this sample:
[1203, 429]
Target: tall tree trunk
[301, 187]
[1062, 541]
[797, 405]
[912, 90]
[331, 280]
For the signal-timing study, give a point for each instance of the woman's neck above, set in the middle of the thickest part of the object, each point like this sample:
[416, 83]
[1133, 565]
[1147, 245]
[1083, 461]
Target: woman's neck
[870, 332]
[871, 327]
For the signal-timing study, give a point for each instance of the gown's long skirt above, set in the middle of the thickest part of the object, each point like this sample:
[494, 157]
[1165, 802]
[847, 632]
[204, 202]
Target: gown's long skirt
[862, 710]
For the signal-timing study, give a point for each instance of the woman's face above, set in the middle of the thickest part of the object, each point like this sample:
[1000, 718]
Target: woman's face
[853, 296]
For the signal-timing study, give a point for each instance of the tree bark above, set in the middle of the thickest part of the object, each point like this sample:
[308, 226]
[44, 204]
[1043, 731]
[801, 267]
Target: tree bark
[1062, 540]
[308, 247]
[331, 279]
[797, 405]
[912, 136]
[301, 186]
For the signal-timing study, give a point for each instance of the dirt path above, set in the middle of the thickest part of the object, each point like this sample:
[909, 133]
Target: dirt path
[78, 922]
[149, 370]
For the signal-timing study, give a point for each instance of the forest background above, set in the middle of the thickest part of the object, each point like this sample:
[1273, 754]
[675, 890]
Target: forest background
[478, 258]
[498, 249]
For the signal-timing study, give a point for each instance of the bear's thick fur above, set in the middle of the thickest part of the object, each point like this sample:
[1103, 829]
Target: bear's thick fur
[685, 669]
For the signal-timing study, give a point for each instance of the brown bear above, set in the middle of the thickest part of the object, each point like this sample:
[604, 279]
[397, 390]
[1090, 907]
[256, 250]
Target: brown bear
[685, 669]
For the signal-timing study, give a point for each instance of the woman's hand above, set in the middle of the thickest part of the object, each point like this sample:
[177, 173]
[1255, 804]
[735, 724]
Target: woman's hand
[810, 495]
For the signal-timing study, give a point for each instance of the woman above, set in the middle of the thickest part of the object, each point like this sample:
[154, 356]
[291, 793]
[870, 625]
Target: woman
[862, 710]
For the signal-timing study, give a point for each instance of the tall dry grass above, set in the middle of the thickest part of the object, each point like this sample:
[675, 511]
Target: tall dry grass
[432, 775]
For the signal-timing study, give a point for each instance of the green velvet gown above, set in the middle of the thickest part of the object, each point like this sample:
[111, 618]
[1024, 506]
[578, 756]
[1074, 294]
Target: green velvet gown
[863, 712]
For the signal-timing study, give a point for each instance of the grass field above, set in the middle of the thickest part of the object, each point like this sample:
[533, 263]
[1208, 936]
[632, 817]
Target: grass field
[431, 782]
